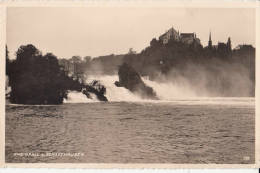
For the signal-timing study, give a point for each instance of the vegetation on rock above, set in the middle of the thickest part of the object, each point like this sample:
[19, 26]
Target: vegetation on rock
[131, 80]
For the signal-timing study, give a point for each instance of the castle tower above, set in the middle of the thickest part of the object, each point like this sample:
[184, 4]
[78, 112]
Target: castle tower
[210, 41]
[229, 46]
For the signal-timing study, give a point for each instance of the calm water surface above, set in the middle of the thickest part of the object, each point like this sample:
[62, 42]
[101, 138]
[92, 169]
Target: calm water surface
[194, 131]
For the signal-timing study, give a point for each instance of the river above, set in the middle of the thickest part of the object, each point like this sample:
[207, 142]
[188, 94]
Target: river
[201, 130]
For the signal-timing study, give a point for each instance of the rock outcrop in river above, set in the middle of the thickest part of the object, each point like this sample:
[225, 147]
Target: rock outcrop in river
[132, 81]
[96, 88]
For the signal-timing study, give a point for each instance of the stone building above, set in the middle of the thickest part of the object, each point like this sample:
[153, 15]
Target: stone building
[189, 38]
[171, 34]
[221, 46]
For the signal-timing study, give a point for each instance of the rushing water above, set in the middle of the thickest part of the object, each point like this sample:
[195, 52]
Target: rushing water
[179, 128]
[182, 131]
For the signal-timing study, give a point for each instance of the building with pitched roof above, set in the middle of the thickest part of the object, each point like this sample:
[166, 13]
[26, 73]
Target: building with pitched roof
[172, 34]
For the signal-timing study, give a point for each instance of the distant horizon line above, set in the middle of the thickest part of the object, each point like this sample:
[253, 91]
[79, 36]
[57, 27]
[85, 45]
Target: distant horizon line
[110, 54]
[157, 38]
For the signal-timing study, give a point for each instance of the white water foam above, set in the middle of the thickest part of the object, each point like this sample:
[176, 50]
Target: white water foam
[78, 97]
[167, 92]
[170, 91]
[114, 93]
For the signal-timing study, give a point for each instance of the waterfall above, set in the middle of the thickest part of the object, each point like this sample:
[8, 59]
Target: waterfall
[165, 91]
[171, 91]
[113, 93]
[78, 97]
[174, 92]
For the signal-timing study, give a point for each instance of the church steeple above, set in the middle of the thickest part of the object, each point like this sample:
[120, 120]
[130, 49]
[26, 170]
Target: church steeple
[210, 41]
[229, 47]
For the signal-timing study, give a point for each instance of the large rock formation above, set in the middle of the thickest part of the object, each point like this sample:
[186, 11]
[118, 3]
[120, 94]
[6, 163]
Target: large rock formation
[132, 81]
[97, 88]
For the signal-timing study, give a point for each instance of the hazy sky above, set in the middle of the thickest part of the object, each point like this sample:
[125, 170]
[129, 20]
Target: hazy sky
[95, 31]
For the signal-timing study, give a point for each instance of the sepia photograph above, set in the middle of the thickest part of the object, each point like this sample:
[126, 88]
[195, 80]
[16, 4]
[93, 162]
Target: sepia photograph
[130, 85]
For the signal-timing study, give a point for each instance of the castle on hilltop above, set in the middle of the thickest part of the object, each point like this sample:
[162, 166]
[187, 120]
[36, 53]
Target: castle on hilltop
[191, 38]
[172, 34]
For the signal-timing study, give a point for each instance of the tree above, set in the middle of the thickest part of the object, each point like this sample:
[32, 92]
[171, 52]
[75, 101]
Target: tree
[7, 61]
[131, 51]
[76, 59]
[154, 42]
[87, 59]
[36, 79]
